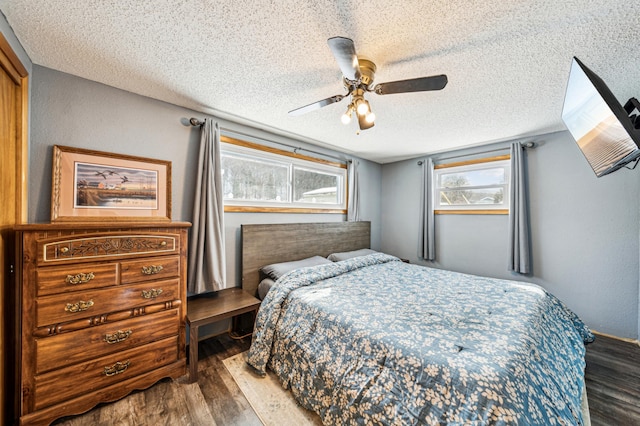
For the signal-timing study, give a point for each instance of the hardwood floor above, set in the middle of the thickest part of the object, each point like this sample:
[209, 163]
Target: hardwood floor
[214, 399]
[612, 376]
[613, 382]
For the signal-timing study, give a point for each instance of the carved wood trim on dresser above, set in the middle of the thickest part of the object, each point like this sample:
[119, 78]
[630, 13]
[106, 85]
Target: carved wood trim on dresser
[102, 312]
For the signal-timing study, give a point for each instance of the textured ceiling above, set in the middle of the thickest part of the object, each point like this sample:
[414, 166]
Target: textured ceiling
[254, 60]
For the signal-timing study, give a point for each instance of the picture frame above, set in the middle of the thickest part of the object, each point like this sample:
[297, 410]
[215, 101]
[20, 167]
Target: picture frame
[89, 186]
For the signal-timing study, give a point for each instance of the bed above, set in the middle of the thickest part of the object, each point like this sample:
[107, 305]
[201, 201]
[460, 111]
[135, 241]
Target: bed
[374, 340]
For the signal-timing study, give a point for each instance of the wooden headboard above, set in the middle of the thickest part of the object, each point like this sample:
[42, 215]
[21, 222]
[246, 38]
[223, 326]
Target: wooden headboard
[266, 244]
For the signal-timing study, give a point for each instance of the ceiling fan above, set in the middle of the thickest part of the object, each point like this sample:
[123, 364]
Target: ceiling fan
[357, 75]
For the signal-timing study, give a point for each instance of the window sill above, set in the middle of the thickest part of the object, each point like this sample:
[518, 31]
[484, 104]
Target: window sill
[501, 211]
[248, 209]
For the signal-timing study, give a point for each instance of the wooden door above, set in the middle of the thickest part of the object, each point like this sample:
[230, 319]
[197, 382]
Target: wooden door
[13, 172]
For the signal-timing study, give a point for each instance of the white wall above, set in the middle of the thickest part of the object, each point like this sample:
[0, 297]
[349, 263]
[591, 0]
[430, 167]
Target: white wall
[585, 245]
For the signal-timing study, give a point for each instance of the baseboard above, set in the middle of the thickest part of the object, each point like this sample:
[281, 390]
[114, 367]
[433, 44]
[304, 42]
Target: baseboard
[624, 339]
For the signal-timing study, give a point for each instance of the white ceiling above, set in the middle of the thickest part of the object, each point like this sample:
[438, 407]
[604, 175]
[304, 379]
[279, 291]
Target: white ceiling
[254, 60]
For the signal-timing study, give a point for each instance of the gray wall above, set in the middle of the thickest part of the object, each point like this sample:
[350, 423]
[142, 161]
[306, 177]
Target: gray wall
[6, 30]
[585, 230]
[584, 233]
[71, 111]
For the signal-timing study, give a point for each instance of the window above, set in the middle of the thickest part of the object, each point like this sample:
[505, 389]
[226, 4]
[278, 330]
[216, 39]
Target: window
[256, 178]
[472, 187]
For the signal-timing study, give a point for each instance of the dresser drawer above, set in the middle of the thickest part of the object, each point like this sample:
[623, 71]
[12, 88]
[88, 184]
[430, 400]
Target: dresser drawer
[91, 303]
[68, 348]
[150, 269]
[73, 278]
[75, 248]
[66, 383]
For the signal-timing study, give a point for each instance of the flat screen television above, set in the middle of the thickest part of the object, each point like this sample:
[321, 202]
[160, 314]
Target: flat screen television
[600, 125]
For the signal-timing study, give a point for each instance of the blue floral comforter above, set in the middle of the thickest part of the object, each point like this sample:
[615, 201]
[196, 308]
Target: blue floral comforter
[373, 340]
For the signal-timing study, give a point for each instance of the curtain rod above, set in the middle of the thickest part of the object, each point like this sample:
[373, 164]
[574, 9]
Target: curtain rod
[529, 145]
[197, 123]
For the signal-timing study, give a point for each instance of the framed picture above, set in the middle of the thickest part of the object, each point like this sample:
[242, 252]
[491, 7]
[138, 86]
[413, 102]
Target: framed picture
[92, 185]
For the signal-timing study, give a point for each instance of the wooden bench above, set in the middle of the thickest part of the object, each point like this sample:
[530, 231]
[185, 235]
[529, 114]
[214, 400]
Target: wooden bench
[207, 309]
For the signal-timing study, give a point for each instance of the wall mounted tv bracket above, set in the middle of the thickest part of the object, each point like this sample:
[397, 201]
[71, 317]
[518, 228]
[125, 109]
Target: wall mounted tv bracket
[631, 105]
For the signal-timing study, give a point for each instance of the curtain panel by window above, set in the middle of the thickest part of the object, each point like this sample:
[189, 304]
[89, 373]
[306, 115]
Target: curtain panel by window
[427, 240]
[519, 251]
[206, 247]
[353, 203]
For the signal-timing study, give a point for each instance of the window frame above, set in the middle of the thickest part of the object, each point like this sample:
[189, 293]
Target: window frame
[470, 165]
[262, 152]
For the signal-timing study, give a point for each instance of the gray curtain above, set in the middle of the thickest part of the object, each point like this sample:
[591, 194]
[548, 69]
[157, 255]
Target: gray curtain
[353, 208]
[206, 270]
[519, 254]
[427, 240]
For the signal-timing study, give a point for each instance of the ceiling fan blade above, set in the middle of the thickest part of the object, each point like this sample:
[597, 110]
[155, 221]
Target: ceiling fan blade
[421, 84]
[316, 105]
[363, 123]
[345, 53]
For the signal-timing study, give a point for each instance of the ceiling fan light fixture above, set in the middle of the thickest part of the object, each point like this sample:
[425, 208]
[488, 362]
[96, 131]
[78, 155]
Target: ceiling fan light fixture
[357, 78]
[346, 117]
[370, 118]
[362, 107]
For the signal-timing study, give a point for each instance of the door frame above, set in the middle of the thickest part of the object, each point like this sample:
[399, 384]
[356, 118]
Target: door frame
[18, 118]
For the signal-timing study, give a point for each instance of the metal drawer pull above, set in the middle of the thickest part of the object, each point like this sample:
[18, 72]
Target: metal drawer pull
[118, 336]
[117, 368]
[153, 269]
[80, 278]
[151, 294]
[80, 306]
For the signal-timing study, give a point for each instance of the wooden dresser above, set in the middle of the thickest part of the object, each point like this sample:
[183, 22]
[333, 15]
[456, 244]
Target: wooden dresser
[102, 311]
